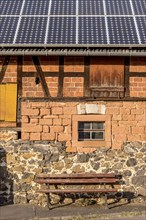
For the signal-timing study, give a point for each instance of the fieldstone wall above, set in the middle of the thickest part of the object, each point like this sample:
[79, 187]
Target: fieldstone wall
[21, 160]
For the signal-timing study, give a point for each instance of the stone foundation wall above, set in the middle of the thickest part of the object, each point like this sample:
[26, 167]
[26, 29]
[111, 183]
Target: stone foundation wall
[21, 160]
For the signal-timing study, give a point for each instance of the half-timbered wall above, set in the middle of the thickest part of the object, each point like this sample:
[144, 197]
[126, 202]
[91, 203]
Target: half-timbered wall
[51, 90]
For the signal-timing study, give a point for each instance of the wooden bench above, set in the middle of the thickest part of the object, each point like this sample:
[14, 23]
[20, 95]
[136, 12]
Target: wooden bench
[63, 180]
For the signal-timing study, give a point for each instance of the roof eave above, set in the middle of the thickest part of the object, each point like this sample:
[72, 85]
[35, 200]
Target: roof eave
[73, 50]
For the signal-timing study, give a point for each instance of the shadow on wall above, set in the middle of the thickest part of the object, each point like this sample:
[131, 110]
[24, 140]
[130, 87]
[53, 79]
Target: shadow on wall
[6, 181]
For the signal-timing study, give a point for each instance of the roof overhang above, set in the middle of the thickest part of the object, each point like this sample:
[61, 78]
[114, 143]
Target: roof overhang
[72, 50]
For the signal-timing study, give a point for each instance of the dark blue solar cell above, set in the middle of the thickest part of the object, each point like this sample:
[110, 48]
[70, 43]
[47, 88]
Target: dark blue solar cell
[91, 7]
[10, 7]
[92, 30]
[36, 7]
[32, 30]
[118, 7]
[63, 7]
[8, 27]
[139, 7]
[141, 24]
[62, 30]
[122, 30]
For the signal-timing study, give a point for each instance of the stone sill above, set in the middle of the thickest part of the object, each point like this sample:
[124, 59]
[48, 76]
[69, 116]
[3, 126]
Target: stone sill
[10, 128]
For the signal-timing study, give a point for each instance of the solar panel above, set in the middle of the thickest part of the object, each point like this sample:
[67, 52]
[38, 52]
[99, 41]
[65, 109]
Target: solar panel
[77, 22]
[36, 7]
[10, 7]
[92, 30]
[62, 30]
[91, 7]
[141, 23]
[139, 7]
[63, 7]
[7, 29]
[122, 30]
[118, 7]
[31, 30]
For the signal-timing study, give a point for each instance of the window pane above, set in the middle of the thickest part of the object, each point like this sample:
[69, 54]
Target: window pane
[98, 135]
[84, 135]
[98, 125]
[84, 125]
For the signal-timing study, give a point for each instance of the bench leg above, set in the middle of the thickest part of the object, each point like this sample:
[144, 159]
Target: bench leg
[106, 204]
[48, 200]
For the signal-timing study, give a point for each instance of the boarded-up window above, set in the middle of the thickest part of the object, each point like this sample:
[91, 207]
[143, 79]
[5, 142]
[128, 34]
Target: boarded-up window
[8, 97]
[107, 76]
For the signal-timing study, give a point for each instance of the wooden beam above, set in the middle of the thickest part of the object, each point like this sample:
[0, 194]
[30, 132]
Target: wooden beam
[83, 99]
[140, 74]
[77, 74]
[126, 76]
[51, 74]
[33, 74]
[61, 76]
[4, 68]
[28, 74]
[86, 76]
[19, 88]
[41, 76]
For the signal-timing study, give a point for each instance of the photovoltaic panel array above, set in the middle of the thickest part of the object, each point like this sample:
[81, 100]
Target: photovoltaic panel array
[73, 22]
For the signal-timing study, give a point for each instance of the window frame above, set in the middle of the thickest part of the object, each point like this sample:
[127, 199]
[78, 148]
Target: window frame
[91, 143]
[91, 130]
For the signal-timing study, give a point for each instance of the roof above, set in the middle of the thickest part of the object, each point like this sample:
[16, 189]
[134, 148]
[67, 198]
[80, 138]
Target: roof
[89, 27]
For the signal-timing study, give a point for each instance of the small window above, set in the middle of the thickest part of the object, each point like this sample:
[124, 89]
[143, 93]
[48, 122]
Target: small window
[91, 131]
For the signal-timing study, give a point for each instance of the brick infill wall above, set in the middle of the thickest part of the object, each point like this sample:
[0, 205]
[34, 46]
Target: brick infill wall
[52, 121]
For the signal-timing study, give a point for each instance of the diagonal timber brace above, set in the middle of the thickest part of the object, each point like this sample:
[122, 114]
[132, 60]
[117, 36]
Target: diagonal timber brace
[41, 76]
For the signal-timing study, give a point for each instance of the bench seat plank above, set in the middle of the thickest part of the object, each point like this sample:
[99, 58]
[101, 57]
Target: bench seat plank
[76, 181]
[78, 176]
[59, 191]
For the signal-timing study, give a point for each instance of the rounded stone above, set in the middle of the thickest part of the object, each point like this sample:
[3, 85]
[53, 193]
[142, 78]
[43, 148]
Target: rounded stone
[130, 149]
[82, 158]
[95, 165]
[139, 181]
[59, 165]
[127, 173]
[78, 169]
[54, 157]
[131, 162]
[141, 191]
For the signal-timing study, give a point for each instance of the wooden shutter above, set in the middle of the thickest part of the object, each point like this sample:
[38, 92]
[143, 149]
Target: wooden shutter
[8, 102]
[107, 76]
